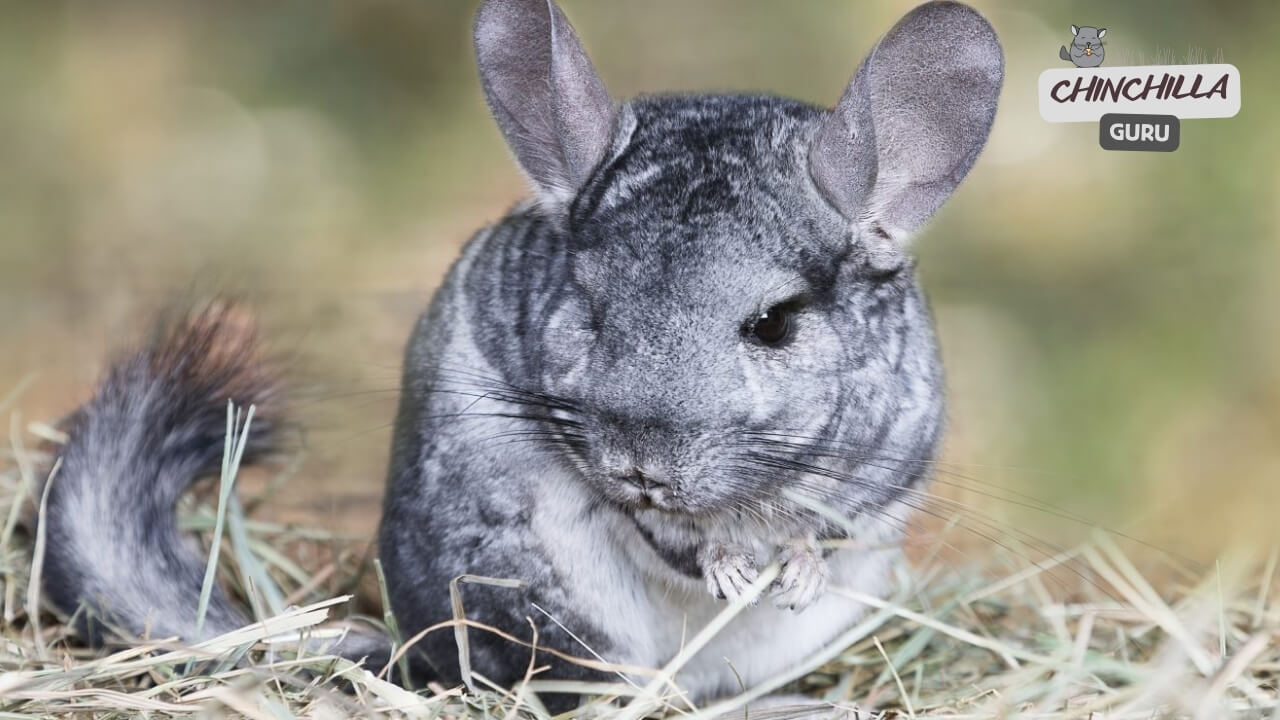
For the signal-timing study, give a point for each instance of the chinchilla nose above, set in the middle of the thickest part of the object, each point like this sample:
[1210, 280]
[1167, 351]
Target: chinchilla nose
[642, 477]
[643, 453]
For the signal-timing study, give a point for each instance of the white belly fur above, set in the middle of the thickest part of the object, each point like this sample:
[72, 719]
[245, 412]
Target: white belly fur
[649, 611]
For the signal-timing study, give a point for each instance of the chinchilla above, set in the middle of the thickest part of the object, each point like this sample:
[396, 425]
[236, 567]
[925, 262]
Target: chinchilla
[699, 353]
[1086, 49]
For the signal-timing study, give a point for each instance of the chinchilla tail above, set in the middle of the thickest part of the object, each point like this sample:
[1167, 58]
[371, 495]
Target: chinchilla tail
[114, 557]
[1062, 53]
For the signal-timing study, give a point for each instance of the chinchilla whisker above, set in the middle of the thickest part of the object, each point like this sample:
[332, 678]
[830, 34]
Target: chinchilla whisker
[508, 416]
[794, 465]
[905, 489]
[528, 439]
[748, 498]
[1032, 504]
[824, 495]
[554, 437]
[742, 501]
[531, 434]
[743, 508]
[1023, 502]
[1020, 499]
[481, 380]
[945, 509]
[501, 396]
[852, 511]
[800, 515]
[805, 442]
[804, 439]
[960, 481]
[905, 526]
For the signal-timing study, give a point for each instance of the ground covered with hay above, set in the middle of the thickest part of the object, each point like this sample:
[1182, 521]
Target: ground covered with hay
[1109, 629]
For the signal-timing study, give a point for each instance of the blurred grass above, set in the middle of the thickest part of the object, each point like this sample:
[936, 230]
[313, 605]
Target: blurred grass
[1109, 320]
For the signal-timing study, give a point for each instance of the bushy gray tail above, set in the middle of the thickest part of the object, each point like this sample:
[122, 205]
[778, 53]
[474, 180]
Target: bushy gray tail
[114, 554]
[1062, 53]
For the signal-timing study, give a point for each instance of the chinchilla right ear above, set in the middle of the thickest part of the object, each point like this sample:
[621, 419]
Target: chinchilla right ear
[548, 100]
[910, 124]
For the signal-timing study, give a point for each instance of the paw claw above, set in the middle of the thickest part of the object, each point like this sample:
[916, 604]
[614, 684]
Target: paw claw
[803, 579]
[729, 573]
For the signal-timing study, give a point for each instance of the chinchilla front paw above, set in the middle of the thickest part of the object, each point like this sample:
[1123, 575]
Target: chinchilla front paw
[729, 571]
[803, 578]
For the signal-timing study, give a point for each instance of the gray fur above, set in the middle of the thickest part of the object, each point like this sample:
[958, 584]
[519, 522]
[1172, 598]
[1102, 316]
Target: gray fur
[583, 409]
[115, 558]
[911, 123]
[156, 424]
[1086, 49]
[543, 92]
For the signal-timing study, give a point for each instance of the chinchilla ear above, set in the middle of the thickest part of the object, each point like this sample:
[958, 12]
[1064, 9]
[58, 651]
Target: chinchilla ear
[910, 124]
[1075, 30]
[548, 100]
[1102, 33]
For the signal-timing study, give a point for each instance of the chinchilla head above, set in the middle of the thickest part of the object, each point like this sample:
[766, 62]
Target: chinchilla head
[738, 274]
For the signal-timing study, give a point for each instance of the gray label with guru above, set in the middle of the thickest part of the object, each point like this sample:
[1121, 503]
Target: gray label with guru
[1154, 133]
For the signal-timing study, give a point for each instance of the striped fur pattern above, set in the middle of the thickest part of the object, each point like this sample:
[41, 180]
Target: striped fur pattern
[585, 407]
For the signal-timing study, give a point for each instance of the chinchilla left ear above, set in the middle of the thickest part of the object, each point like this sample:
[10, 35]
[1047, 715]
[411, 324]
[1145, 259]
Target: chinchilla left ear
[911, 123]
[548, 100]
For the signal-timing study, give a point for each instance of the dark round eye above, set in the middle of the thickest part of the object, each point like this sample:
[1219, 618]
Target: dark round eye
[773, 327]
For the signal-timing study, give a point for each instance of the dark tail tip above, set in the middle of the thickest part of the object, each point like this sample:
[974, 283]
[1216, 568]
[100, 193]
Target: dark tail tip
[157, 423]
[215, 349]
[195, 361]
[209, 356]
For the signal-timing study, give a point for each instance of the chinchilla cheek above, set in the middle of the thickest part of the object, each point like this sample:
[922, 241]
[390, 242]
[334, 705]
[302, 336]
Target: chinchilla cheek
[566, 346]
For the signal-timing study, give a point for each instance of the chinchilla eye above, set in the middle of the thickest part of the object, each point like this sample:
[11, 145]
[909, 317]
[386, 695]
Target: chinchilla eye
[773, 326]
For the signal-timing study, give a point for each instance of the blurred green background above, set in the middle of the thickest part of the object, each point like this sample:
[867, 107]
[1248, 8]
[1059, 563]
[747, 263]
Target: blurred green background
[1110, 321]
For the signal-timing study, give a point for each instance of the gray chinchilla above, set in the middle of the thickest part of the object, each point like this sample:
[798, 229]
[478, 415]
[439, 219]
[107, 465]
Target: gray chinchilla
[1086, 49]
[699, 352]
[631, 390]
